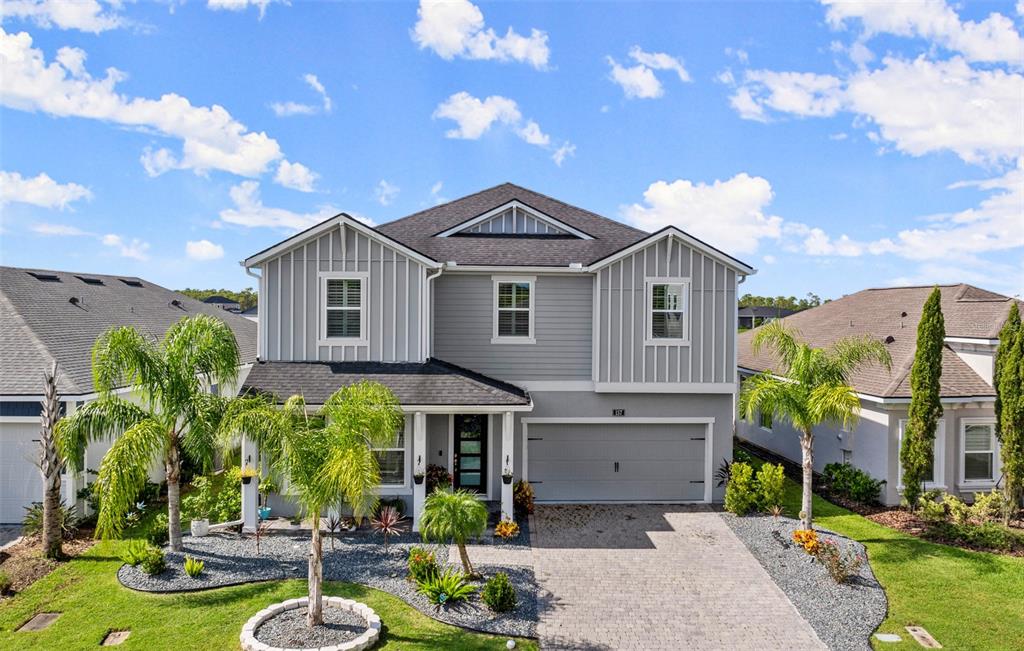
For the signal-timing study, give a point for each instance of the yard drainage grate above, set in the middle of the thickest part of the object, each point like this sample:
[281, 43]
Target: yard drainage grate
[114, 638]
[923, 637]
[39, 622]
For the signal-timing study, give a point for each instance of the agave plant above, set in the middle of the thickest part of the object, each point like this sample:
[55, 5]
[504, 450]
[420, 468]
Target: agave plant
[387, 523]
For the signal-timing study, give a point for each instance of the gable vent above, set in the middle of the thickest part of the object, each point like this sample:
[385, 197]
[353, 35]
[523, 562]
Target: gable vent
[46, 278]
[131, 282]
[90, 281]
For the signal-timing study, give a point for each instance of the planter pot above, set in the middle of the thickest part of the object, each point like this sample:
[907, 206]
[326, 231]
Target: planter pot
[264, 512]
[246, 480]
[200, 528]
[506, 479]
[418, 479]
[295, 526]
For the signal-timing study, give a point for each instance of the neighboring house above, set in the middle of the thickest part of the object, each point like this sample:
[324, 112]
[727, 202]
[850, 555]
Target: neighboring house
[966, 446]
[751, 316]
[224, 303]
[48, 316]
[252, 313]
[521, 335]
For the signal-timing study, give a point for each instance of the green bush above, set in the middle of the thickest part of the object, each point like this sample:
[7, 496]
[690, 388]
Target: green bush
[154, 561]
[134, 552]
[852, 483]
[522, 497]
[956, 509]
[216, 498]
[988, 535]
[157, 534]
[987, 507]
[840, 565]
[741, 492]
[498, 593]
[741, 455]
[67, 519]
[193, 566]
[5, 583]
[931, 511]
[450, 587]
[771, 484]
[422, 564]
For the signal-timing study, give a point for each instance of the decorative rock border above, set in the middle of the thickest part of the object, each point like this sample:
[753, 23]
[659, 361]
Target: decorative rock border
[364, 641]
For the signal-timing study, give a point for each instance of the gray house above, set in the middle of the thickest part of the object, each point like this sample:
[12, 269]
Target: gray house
[522, 336]
[751, 316]
[966, 455]
[48, 316]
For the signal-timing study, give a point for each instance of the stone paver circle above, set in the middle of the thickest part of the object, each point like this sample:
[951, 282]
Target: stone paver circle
[365, 641]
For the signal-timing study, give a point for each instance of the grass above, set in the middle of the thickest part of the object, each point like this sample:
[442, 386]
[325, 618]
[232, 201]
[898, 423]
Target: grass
[965, 599]
[93, 602]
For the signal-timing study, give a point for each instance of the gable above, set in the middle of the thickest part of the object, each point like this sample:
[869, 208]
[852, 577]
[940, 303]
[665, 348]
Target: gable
[515, 219]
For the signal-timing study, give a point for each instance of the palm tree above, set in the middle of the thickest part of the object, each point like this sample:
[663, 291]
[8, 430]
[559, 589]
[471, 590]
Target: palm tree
[50, 466]
[327, 457]
[810, 386]
[176, 416]
[454, 516]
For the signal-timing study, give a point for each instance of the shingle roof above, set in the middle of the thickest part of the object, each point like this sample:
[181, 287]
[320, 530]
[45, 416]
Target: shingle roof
[218, 299]
[417, 231]
[968, 311]
[764, 311]
[431, 383]
[39, 323]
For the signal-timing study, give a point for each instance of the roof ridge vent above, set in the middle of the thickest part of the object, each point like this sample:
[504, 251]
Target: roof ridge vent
[45, 277]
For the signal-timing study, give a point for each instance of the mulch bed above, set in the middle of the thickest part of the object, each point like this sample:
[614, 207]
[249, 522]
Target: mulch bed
[25, 564]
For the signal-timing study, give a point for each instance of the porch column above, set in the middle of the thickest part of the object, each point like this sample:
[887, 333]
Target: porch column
[250, 491]
[419, 465]
[508, 461]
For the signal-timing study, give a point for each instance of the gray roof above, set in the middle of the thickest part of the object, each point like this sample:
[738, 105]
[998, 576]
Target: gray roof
[968, 311]
[431, 383]
[218, 299]
[40, 324]
[764, 311]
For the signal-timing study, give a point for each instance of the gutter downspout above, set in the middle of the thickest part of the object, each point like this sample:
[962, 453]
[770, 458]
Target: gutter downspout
[426, 312]
[260, 313]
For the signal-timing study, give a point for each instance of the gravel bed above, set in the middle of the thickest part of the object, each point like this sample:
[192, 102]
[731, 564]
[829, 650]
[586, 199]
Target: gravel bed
[843, 615]
[357, 557]
[288, 629]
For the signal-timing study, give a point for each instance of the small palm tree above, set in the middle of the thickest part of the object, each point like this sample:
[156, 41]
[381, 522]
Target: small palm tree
[327, 457]
[50, 467]
[810, 386]
[454, 516]
[176, 416]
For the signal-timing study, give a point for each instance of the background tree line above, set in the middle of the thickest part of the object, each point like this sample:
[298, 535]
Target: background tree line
[784, 302]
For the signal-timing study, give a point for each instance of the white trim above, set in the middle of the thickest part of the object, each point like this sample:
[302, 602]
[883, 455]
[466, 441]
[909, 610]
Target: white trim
[649, 340]
[595, 341]
[561, 270]
[996, 457]
[734, 264]
[610, 420]
[939, 456]
[971, 340]
[556, 385]
[516, 206]
[363, 339]
[665, 387]
[531, 281]
[20, 419]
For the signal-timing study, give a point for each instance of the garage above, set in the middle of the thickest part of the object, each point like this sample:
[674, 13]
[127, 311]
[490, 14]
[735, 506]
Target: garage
[648, 460]
[20, 483]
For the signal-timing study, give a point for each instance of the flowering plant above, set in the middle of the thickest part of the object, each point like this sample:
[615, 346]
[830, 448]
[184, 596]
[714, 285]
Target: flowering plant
[808, 539]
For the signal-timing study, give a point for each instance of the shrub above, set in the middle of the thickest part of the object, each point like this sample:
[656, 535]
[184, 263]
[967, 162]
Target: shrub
[988, 535]
[154, 561]
[422, 564]
[157, 534]
[498, 593]
[987, 507]
[67, 519]
[506, 529]
[771, 484]
[740, 492]
[852, 483]
[955, 507]
[841, 565]
[742, 456]
[134, 551]
[6, 584]
[437, 477]
[396, 503]
[446, 588]
[214, 497]
[387, 523]
[522, 497]
[193, 566]
[930, 511]
[808, 539]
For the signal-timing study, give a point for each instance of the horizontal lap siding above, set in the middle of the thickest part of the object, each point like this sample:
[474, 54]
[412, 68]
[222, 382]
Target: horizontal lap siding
[464, 321]
[291, 304]
[623, 355]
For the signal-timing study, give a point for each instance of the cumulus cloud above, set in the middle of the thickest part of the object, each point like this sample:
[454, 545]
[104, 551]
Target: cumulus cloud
[455, 28]
[639, 81]
[289, 108]
[386, 192]
[203, 250]
[58, 230]
[295, 176]
[242, 5]
[250, 212]
[135, 249]
[565, 151]
[82, 15]
[40, 191]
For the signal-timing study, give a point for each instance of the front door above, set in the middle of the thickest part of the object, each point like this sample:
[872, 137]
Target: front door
[471, 452]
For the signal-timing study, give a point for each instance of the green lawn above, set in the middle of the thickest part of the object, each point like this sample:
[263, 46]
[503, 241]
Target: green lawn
[92, 601]
[966, 600]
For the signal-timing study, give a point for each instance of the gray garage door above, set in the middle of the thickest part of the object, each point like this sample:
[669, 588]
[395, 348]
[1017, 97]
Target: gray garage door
[20, 484]
[610, 462]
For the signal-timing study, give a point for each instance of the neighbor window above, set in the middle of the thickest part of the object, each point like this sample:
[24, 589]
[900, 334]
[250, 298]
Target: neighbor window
[978, 450]
[343, 308]
[513, 307]
[667, 305]
[391, 460]
[764, 420]
[933, 471]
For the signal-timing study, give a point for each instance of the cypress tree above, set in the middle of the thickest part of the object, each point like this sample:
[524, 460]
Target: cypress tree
[925, 407]
[1009, 384]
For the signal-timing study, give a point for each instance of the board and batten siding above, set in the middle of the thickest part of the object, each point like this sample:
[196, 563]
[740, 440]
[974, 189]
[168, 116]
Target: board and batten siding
[464, 320]
[623, 356]
[290, 307]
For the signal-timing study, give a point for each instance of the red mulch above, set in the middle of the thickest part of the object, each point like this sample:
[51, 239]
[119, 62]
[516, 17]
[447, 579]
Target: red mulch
[25, 564]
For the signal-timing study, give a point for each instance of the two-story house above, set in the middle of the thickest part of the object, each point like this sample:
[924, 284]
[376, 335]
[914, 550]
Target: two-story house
[522, 336]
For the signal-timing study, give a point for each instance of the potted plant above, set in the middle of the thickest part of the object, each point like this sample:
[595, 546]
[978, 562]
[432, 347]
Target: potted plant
[247, 474]
[200, 505]
[506, 476]
[264, 512]
[419, 475]
[295, 522]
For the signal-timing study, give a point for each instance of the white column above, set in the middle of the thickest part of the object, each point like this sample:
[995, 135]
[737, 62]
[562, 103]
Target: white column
[419, 465]
[507, 462]
[250, 491]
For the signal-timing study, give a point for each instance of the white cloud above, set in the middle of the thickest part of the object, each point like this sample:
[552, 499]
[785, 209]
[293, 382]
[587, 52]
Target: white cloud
[455, 28]
[660, 61]
[800, 93]
[769, 259]
[156, 162]
[435, 193]
[83, 15]
[727, 214]
[289, 108]
[816, 242]
[532, 134]
[203, 250]
[315, 84]
[567, 150]
[211, 138]
[838, 136]
[296, 176]
[994, 39]
[58, 230]
[639, 81]
[386, 192]
[39, 190]
[242, 5]
[135, 249]
[250, 212]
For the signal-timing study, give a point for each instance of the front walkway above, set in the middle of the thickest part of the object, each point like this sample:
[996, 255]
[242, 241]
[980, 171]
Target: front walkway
[655, 577]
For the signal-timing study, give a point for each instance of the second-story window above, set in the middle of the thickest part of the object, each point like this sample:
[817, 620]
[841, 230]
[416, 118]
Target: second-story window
[667, 308]
[343, 300]
[513, 310]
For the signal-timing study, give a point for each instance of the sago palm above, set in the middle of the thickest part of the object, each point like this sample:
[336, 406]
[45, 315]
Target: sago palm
[454, 516]
[327, 456]
[176, 416]
[808, 387]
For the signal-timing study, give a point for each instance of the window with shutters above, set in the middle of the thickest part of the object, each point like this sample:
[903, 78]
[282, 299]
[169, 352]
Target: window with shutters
[668, 319]
[513, 310]
[979, 458]
[343, 308]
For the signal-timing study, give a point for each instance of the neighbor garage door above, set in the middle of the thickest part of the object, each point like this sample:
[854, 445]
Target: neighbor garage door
[630, 462]
[20, 484]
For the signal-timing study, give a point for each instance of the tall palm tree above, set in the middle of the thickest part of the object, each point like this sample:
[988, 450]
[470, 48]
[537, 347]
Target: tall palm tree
[454, 516]
[50, 467]
[327, 456]
[810, 386]
[176, 416]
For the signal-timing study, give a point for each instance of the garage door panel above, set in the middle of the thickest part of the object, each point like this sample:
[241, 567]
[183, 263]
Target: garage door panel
[20, 483]
[619, 450]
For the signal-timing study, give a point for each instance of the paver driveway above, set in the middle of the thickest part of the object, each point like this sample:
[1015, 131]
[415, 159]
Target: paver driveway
[655, 577]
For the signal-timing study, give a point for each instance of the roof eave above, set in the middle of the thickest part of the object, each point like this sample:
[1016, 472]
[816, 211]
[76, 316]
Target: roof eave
[738, 266]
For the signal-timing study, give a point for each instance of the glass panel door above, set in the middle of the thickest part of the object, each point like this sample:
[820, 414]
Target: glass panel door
[470, 456]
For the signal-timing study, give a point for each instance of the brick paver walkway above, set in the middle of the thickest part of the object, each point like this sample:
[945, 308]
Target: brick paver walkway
[655, 577]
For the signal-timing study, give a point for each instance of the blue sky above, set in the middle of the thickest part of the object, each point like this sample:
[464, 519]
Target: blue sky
[833, 147]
